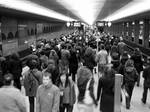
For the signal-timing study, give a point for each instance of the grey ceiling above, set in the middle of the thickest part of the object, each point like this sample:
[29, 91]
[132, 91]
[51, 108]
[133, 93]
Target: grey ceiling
[109, 7]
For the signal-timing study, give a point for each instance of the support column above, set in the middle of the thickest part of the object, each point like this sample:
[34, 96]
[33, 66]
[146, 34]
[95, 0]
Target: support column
[117, 100]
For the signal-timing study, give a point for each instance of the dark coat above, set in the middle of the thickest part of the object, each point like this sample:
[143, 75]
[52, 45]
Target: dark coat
[106, 86]
[15, 67]
[146, 76]
[32, 80]
[138, 63]
[73, 62]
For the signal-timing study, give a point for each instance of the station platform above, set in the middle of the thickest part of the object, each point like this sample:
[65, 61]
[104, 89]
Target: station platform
[136, 104]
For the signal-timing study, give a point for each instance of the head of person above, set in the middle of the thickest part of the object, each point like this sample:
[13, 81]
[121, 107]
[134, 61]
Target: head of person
[47, 78]
[129, 65]
[137, 51]
[14, 56]
[51, 64]
[33, 64]
[83, 74]
[109, 72]
[124, 57]
[8, 79]
[64, 78]
[88, 51]
[102, 46]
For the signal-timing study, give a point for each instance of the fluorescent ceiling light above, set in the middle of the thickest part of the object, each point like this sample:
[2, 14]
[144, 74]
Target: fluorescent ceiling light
[134, 7]
[87, 10]
[28, 6]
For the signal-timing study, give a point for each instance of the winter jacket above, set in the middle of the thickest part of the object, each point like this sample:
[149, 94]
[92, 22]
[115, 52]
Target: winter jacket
[11, 100]
[146, 76]
[48, 99]
[69, 97]
[32, 79]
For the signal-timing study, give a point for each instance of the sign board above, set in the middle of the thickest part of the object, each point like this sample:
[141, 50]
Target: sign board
[100, 23]
[77, 24]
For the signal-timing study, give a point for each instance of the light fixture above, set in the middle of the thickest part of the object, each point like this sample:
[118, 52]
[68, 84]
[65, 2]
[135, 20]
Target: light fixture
[28, 6]
[68, 24]
[134, 7]
[109, 24]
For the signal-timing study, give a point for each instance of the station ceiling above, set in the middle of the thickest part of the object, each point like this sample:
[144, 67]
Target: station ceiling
[82, 9]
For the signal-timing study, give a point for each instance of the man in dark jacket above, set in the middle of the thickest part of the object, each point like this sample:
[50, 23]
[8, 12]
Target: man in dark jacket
[146, 76]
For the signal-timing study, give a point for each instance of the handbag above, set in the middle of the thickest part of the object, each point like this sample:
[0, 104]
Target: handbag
[87, 97]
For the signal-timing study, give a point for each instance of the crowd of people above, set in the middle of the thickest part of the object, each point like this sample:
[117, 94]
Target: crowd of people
[58, 65]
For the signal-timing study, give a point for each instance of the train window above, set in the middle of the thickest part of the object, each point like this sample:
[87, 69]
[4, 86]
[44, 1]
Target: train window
[141, 33]
[49, 28]
[127, 24]
[3, 36]
[32, 32]
[28, 31]
[16, 34]
[140, 41]
[44, 30]
[141, 22]
[35, 31]
[10, 35]
[133, 23]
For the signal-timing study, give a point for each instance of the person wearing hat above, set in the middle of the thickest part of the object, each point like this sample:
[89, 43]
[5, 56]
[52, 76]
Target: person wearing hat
[146, 76]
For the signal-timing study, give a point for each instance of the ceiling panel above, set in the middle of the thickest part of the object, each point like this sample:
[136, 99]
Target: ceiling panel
[25, 15]
[111, 6]
[52, 4]
[108, 8]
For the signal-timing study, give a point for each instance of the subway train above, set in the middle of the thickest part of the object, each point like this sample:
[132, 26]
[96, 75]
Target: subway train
[18, 34]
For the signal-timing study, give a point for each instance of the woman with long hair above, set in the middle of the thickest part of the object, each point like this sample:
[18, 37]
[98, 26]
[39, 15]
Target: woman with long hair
[67, 92]
[106, 90]
[85, 83]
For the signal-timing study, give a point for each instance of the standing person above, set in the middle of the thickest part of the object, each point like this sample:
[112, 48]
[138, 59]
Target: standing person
[48, 95]
[146, 76]
[130, 77]
[85, 84]
[102, 59]
[32, 79]
[89, 59]
[73, 64]
[65, 55]
[15, 68]
[2, 64]
[138, 63]
[11, 99]
[106, 90]
[121, 47]
[51, 68]
[67, 93]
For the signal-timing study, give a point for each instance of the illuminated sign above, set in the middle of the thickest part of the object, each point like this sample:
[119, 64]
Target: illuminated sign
[100, 23]
[77, 24]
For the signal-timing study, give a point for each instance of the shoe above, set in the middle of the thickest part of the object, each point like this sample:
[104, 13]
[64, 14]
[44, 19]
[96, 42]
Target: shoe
[144, 102]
